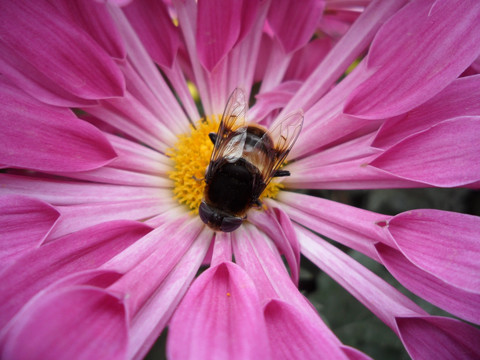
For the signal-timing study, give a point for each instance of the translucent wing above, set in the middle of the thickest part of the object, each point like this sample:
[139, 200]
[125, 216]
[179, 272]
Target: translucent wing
[284, 133]
[232, 132]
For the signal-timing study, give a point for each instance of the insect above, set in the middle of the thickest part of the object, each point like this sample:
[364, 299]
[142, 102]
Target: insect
[244, 159]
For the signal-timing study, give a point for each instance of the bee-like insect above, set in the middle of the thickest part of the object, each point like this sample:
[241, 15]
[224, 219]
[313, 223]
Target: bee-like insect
[244, 159]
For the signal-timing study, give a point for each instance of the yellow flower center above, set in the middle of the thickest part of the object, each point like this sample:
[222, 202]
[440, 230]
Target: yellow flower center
[191, 156]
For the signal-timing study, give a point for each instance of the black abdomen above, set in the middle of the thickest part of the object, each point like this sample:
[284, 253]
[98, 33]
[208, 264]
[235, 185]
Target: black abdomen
[231, 189]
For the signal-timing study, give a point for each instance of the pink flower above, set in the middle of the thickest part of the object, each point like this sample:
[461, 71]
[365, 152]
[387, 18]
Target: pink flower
[99, 249]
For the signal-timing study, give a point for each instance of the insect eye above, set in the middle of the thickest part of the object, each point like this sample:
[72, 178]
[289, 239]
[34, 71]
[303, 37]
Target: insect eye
[205, 212]
[230, 223]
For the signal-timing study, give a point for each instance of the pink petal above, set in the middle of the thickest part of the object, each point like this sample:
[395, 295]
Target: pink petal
[152, 257]
[187, 14]
[83, 250]
[47, 138]
[53, 59]
[444, 155]
[153, 25]
[126, 260]
[342, 166]
[222, 248]
[354, 354]
[348, 175]
[110, 175]
[444, 337]
[285, 18]
[392, 307]
[271, 100]
[256, 254]
[275, 68]
[356, 148]
[457, 301]
[442, 243]
[122, 123]
[416, 54]
[153, 317]
[78, 217]
[75, 322]
[476, 65]
[292, 334]
[251, 16]
[348, 48]
[218, 28]
[25, 222]
[376, 294]
[146, 82]
[58, 192]
[93, 17]
[138, 157]
[277, 225]
[154, 94]
[353, 227]
[220, 317]
[307, 59]
[460, 98]
[138, 114]
[266, 43]
[177, 77]
[98, 278]
[325, 124]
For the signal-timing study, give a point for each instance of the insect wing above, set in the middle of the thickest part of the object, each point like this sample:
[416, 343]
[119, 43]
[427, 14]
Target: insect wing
[232, 132]
[284, 133]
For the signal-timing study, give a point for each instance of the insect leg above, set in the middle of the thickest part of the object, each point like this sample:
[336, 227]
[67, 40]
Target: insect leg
[213, 137]
[279, 173]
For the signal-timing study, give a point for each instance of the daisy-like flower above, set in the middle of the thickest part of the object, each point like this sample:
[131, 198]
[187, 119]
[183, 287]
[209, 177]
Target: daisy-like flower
[106, 111]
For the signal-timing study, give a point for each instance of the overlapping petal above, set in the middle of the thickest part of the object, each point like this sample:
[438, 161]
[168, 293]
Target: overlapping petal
[409, 70]
[444, 337]
[154, 26]
[87, 249]
[348, 225]
[94, 18]
[286, 16]
[221, 307]
[218, 29]
[455, 300]
[152, 258]
[277, 225]
[460, 98]
[407, 319]
[430, 239]
[92, 323]
[401, 118]
[69, 192]
[78, 217]
[155, 314]
[255, 253]
[444, 155]
[47, 138]
[17, 237]
[348, 48]
[52, 58]
[293, 334]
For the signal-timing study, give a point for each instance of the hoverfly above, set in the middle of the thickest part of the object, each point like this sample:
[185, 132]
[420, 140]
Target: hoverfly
[244, 159]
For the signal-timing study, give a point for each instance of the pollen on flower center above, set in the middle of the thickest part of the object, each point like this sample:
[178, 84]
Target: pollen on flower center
[191, 156]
